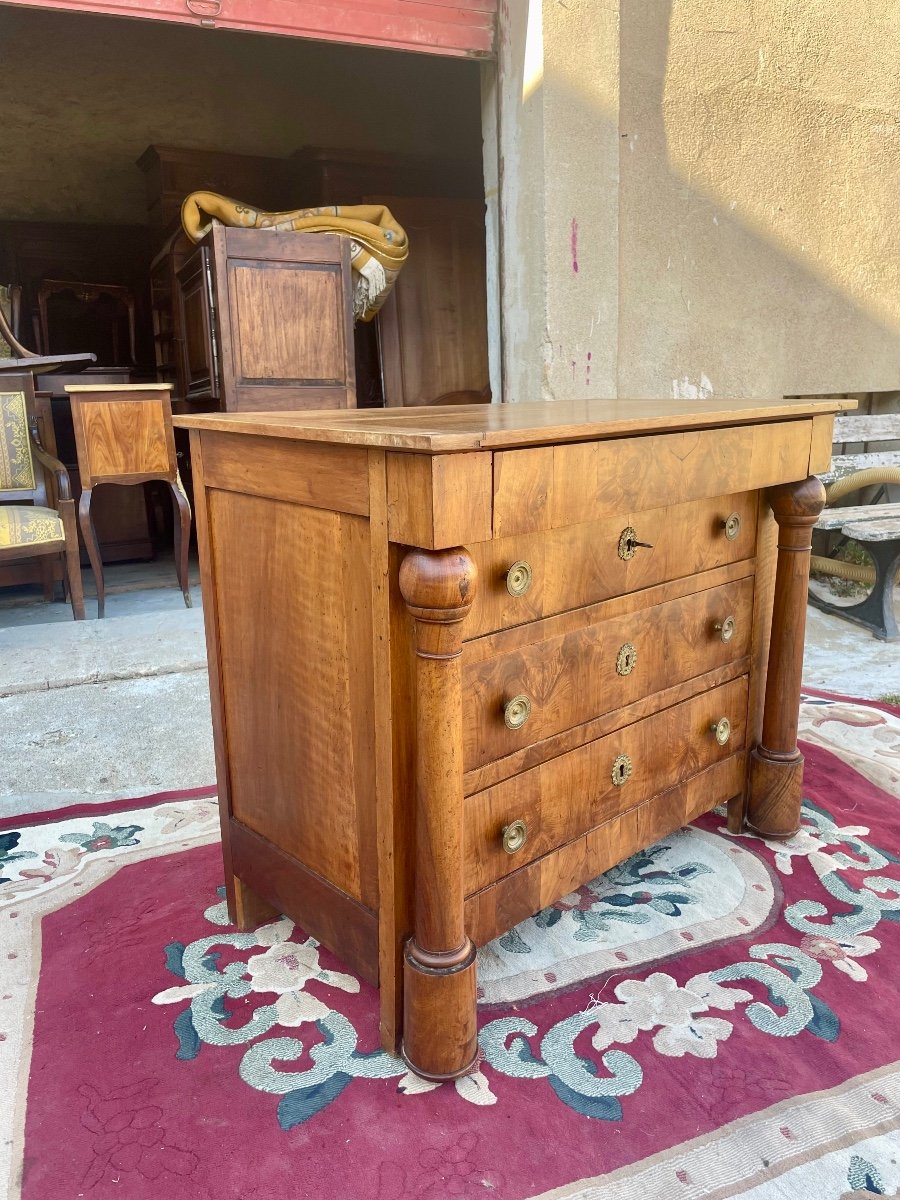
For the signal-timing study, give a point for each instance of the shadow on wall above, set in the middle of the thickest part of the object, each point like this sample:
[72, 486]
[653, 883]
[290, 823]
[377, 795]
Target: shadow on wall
[758, 176]
[755, 206]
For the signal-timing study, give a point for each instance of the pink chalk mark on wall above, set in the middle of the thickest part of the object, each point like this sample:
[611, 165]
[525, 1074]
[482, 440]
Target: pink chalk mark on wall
[574, 241]
[587, 370]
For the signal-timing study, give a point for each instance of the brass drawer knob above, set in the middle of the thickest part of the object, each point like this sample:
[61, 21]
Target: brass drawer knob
[626, 659]
[621, 769]
[515, 835]
[517, 712]
[732, 526]
[628, 543]
[722, 730]
[518, 578]
[725, 629]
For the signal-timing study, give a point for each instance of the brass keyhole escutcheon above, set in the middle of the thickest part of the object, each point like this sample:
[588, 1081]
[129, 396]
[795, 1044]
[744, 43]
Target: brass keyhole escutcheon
[515, 835]
[517, 712]
[732, 526]
[626, 659]
[628, 543]
[725, 629]
[518, 578]
[722, 730]
[621, 769]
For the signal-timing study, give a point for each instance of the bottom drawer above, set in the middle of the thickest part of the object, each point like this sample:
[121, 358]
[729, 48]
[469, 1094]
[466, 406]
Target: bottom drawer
[505, 903]
[529, 815]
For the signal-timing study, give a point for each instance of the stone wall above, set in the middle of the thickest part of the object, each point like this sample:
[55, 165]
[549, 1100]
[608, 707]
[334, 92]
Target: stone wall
[700, 197]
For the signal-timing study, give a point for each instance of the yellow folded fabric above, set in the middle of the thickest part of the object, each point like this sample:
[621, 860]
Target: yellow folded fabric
[378, 245]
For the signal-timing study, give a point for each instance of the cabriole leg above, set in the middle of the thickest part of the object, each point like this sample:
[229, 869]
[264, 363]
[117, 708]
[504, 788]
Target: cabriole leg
[440, 1037]
[776, 765]
[89, 534]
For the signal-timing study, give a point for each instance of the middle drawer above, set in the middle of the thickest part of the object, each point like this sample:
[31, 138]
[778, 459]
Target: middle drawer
[525, 695]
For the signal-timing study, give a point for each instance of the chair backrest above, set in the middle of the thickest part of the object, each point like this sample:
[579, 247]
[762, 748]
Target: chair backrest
[9, 321]
[21, 479]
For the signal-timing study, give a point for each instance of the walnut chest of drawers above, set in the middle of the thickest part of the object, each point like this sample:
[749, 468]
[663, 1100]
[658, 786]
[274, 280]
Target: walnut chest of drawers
[465, 659]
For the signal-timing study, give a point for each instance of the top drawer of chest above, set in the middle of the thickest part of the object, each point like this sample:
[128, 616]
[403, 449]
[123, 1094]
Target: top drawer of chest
[529, 576]
[548, 487]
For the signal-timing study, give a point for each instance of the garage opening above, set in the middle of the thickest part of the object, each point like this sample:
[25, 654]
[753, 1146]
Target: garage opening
[111, 122]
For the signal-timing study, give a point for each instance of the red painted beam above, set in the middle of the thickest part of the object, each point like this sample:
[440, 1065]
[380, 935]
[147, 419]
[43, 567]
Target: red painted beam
[447, 27]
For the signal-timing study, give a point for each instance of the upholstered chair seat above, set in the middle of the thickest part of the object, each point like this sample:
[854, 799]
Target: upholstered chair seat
[29, 525]
[31, 480]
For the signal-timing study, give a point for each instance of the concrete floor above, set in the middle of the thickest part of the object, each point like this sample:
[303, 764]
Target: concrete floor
[98, 709]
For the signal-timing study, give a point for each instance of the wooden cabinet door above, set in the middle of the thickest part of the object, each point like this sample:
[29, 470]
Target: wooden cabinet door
[433, 327]
[198, 374]
[284, 319]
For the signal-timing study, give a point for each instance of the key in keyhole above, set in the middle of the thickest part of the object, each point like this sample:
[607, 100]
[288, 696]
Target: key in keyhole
[629, 542]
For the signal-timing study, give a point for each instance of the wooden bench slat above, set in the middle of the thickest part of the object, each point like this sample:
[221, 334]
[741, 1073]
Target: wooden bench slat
[861, 515]
[882, 428]
[846, 464]
[887, 530]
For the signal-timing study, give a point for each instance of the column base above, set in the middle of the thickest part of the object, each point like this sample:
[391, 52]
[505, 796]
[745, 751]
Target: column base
[440, 1026]
[775, 795]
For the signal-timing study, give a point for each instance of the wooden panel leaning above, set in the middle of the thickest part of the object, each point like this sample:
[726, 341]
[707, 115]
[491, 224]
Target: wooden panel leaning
[453, 680]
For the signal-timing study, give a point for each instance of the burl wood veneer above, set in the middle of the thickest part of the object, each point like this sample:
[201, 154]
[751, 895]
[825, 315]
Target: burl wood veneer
[465, 659]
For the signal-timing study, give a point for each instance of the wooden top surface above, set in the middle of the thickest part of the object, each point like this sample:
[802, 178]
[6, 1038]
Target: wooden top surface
[433, 429]
[119, 387]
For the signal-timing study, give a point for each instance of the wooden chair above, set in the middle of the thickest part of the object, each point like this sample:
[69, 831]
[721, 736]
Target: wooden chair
[38, 364]
[31, 524]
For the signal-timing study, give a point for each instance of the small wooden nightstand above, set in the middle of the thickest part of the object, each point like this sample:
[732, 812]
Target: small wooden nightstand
[123, 434]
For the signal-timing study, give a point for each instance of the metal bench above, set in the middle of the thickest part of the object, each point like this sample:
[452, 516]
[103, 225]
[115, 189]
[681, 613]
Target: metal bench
[874, 526]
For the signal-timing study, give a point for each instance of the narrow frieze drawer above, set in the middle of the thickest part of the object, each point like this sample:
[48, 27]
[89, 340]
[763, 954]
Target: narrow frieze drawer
[548, 487]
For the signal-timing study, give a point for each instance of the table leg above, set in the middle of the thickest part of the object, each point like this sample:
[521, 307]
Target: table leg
[440, 1037]
[89, 533]
[776, 765]
[182, 538]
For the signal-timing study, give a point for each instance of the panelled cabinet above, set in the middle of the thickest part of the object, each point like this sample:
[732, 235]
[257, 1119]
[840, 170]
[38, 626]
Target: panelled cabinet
[465, 659]
[432, 335]
[266, 321]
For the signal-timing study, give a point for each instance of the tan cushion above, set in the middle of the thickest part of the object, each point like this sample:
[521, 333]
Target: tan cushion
[28, 525]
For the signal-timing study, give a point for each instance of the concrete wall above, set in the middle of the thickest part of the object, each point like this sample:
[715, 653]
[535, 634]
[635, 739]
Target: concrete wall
[700, 197]
[85, 95]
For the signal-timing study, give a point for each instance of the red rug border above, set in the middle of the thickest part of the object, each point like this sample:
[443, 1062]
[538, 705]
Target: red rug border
[105, 808]
[892, 709]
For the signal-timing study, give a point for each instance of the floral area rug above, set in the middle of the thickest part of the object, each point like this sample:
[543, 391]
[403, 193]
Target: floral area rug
[716, 1017]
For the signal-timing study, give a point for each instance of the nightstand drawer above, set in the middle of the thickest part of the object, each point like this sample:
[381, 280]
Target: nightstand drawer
[534, 813]
[531, 576]
[555, 682]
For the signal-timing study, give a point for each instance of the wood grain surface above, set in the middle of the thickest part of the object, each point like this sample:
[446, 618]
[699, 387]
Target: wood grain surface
[512, 899]
[580, 565]
[572, 678]
[597, 479]
[432, 429]
[565, 797]
[294, 626]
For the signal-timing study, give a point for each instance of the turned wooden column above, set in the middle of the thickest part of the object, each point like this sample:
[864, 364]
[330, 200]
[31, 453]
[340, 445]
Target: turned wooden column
[440, 1039]
[776, 765]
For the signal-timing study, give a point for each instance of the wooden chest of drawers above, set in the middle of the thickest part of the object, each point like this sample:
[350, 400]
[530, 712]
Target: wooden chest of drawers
[465, 659]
